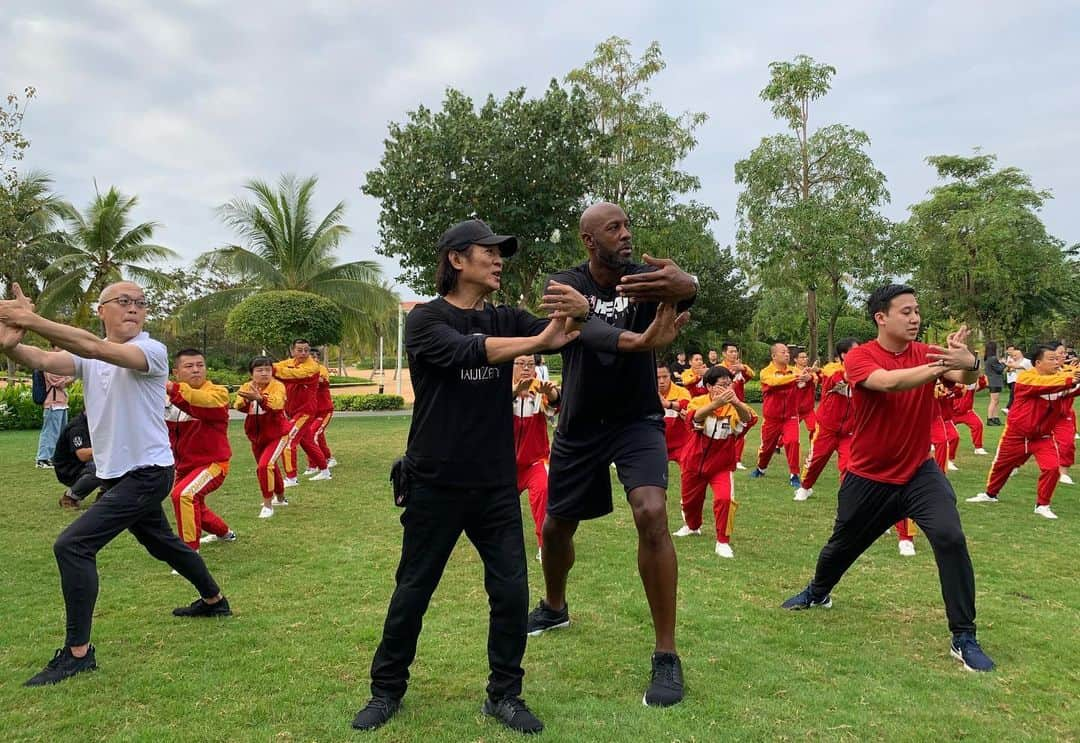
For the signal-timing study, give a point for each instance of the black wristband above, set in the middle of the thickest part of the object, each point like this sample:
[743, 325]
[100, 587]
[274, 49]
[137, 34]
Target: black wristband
[977, 365]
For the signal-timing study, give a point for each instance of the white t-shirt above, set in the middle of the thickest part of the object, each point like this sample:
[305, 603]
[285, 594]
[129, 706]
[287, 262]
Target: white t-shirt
[125, 410]
[1024, 363]
[542, 372]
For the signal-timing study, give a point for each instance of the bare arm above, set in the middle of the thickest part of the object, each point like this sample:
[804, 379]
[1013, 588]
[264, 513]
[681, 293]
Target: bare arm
[554, 337]
[898, 380]
[85, 454]
[57, 362]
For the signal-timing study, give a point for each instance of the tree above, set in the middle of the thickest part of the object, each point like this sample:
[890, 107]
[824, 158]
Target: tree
[286, 249]
[520, 164]
[29, 236]
[13, 143]
[807, 214]
[272, 319]
[638, 144]
[99, 248]
[983, 255]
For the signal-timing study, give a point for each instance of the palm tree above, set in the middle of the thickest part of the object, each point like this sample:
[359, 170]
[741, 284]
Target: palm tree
[99, 249]
[284, 248]
[29, 214]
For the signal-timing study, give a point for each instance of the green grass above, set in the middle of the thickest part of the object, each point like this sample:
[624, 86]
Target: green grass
[310, 587]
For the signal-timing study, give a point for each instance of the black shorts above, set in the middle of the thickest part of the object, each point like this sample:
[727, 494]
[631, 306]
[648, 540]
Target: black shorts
[579, 478]
[995, 388]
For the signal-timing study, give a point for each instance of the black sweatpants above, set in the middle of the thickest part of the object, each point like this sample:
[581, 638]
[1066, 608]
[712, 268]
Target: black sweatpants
[132, 502]
[865, 509]
[86, 482]
[434, 518]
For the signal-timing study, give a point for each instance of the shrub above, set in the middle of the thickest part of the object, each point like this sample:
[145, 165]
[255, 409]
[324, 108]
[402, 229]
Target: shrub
[19, 412]
[273, 319]
[753, 391]
[368, 402]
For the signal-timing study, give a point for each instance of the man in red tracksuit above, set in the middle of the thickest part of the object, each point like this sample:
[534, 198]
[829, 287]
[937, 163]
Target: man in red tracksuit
[943, 433]
[1065, 430]
[301, 375]
[833, 422]
[262, 400]
[197, 416]
[717, 419]
[533, 402]
[963, 412]
[1040, 398]
[692, 377]
[740, 373]
[780, 411]
[805, 391]
[324, 411]
[674, 400]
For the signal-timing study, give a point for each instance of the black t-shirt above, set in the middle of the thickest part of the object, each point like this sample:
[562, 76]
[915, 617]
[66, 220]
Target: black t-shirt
[600, 385]
[76, 435]
[462, 432]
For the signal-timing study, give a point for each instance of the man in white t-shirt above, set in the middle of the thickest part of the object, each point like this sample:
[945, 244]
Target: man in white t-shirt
[1015, 362]
[123, 378]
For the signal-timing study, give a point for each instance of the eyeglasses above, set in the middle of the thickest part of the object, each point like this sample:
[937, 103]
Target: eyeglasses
[125, 301]
[525, 364]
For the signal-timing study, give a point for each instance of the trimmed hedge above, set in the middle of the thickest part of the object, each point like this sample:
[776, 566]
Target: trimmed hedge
[19, 412]
[753, 391]
[369, 402]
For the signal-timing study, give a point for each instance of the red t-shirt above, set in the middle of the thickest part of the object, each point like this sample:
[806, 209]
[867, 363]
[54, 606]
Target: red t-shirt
[891, 436]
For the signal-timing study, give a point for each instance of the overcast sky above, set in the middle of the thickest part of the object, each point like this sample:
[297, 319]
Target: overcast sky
[182, 101]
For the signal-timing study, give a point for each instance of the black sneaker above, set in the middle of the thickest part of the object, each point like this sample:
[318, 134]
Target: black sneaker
[806, 600]
[44, 464]
[513, 712]
[965, 648]
[543, 618]
[200, 608]
[63, 665]
[376, 713]
[666, 687]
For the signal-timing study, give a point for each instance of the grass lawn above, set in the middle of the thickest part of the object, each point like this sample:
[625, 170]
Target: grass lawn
[309, 589]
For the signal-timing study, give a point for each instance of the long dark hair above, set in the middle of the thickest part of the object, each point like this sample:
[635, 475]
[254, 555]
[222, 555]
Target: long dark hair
[991, 350]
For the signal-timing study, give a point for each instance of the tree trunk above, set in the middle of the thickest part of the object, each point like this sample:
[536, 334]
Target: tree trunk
[812, 322]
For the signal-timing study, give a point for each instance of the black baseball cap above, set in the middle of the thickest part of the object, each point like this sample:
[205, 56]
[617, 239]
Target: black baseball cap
[476, 232]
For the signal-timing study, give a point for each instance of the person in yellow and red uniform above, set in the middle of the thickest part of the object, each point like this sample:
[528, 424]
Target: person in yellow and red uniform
[964, 412]
[324, 411]
[833, 423]
[197, 416]
[534, 401]
[262, 399]
[691, 378]
[674, 400]
[717, 420]
[300, 375]
[1065, 430]
[1040, 398]
[740, 373]
[780, 411]
[805, 392]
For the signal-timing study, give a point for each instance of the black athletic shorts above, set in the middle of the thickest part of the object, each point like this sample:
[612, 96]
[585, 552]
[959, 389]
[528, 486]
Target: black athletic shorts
[579, 475]
[995, 388]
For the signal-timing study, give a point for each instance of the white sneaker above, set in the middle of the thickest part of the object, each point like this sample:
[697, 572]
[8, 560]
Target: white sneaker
[803, 493]
[686, 531]
[540, 555]
[723, 549]
[1045, 512]
[331, 462]
[740, 466]
[279, 502]
[310, 471]
[291, 482]
[323, 475]
[1015, 472]
[906, 547]
[1065, 479]
[951, 466]
[174, 572]
[266, 512]
[983, 498]
[982, 451]
[208, 538]
[1005, 411]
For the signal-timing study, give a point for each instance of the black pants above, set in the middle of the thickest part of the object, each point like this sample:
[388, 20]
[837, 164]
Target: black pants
[132, 502]
[1012, 394]
[865, 509]
[434, 518]
[86, 482]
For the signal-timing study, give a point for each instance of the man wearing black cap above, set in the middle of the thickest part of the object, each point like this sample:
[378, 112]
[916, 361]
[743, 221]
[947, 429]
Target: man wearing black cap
[461, 466]
[611, 414]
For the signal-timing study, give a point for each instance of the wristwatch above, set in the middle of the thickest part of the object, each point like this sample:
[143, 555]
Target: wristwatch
[977, 365]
